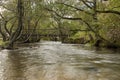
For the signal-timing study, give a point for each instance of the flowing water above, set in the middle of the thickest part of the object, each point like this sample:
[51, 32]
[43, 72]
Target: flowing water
[56, 61]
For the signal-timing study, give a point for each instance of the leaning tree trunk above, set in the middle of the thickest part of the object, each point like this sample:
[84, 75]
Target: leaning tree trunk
[18, 31]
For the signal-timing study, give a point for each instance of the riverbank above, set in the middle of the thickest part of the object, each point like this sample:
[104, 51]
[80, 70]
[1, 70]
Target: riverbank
[96, 43]
[83, 41]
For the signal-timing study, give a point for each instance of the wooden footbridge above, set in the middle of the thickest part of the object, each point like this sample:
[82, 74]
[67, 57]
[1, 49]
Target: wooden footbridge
[45, 32]
[48, 33]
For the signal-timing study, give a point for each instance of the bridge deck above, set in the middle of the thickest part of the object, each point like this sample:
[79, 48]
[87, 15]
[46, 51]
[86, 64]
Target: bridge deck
[68, 32]
[44, 35]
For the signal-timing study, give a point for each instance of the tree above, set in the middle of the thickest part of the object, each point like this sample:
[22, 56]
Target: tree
[18, 31]
[90, 8]
[25, 17]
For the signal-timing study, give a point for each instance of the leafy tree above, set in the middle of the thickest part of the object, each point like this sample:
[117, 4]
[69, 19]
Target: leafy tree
[95, 17]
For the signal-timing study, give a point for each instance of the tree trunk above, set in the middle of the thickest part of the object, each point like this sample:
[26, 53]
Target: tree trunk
[18, 31]
[2, 33]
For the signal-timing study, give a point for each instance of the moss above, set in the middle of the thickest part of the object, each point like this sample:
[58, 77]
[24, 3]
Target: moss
[4, 44]
[1, 42]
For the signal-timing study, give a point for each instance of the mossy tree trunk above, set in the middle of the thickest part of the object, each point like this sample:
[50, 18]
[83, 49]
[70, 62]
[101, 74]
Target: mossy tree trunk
[2, 33]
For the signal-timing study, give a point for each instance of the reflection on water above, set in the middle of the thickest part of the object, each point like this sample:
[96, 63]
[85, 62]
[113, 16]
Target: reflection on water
[56, 61]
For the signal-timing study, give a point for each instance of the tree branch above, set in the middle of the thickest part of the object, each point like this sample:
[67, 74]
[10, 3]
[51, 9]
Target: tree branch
[109, 11]
[76, 8]
[86, 23]
[85, 2]
[8, 9]
[62, 16]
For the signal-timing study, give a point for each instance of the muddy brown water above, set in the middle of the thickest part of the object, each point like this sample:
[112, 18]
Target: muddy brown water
[55, 61]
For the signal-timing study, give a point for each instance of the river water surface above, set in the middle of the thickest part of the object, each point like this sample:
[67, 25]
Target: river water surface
[56, 61]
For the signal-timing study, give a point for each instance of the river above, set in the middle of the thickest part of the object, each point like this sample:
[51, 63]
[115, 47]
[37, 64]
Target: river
[49, 60]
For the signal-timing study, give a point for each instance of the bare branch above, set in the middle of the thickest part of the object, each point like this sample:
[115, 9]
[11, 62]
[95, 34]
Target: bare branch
[63, 16]
[76, 8]
[86, 3]
[8, 9]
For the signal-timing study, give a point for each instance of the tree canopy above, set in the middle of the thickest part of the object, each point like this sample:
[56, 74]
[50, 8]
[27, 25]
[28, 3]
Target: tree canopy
[99, 19]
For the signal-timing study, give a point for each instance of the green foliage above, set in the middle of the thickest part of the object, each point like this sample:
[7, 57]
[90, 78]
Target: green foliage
[99, 23]
[3, 44]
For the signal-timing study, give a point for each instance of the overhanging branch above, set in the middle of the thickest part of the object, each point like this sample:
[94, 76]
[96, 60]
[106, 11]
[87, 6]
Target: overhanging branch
[85, 2]
[63, 16]
[109, 11]
[86, 23]
[76, 8]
